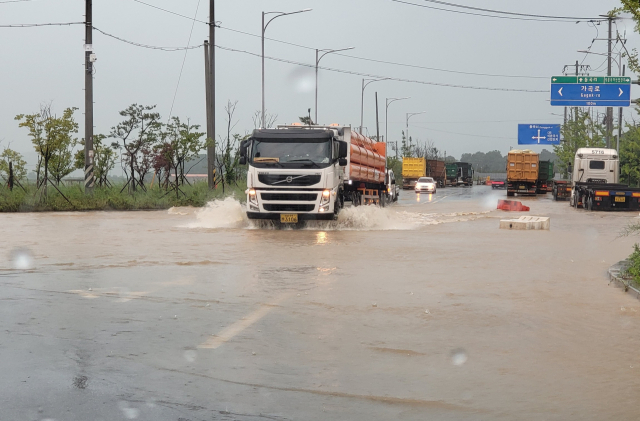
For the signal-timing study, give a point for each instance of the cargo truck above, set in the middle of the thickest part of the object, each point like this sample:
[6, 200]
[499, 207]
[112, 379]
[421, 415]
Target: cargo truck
[451, 171]
[297, 173]
[436, 169]
[595, 184]
[412, 169]
[459, 174]
[545, 176]
[522, 172]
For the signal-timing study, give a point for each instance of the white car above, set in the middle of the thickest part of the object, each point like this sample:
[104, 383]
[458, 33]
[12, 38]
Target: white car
[426, 185]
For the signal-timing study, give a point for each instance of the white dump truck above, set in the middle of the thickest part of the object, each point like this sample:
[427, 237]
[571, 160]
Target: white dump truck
[297, 173]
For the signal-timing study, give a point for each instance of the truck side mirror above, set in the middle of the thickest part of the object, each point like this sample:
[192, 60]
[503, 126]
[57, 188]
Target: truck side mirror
[342, 150]
[569, 168]
[342, 162]
[242, 160]
[243, 148]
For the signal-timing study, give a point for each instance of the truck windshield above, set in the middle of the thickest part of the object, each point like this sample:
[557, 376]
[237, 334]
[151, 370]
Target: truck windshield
[301, 152]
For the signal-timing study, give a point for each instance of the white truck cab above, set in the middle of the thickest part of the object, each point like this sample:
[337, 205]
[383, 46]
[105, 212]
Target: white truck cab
[596, 165]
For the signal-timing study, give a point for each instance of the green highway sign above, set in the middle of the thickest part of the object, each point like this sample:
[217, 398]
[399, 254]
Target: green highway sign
[591, 79]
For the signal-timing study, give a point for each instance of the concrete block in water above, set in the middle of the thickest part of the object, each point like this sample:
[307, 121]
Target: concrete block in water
[526, 223]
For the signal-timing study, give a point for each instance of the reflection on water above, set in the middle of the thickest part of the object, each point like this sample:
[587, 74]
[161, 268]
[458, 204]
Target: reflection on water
[428, 198]
[321, 237]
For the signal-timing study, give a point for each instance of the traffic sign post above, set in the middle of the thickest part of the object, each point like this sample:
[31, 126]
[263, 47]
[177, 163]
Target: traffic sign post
[538, 134]
[591, 91]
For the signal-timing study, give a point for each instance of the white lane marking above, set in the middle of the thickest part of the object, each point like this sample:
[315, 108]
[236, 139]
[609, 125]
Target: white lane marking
[231, 331]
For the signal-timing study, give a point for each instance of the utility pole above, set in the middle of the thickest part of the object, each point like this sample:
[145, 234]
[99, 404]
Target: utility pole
[211, 93]
[88, 100]
[609, 109]
[377, 121]
[210, 132]
[624, 66]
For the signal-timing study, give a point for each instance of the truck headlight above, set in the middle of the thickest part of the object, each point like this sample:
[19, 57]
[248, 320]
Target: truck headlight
[253, 196]
[326, 197]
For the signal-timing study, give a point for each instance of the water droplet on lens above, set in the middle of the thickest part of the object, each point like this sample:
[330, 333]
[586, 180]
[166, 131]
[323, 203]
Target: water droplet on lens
[458, 357]
[128, 412]
[190, 355]
[22, 259]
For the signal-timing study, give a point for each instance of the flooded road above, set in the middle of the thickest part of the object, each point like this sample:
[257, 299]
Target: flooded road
[421, 310]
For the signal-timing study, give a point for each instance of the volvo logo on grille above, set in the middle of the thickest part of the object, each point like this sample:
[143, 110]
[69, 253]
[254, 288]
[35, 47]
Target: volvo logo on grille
[289, 179]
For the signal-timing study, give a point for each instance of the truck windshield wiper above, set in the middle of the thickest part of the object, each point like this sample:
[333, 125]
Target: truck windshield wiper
[305, 160]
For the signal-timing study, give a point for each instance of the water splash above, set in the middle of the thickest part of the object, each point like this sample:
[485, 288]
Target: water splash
[458, 357]
[227, 213]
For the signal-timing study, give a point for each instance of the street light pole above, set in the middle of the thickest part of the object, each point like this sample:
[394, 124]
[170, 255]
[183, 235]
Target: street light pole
[325, 52]
[409, 115]
[264, 28]
[364, 85]
[386, 116]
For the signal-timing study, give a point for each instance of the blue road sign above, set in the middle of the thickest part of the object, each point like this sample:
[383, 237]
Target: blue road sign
[584, 93]
[538, 134]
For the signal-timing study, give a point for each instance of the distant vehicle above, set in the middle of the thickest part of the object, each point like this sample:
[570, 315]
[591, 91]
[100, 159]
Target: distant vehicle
[425, 184]
[522, 172]
[498, 184]
[459, 174]
[545, 176]
[436, 169]
[595, 182]
[412, 170]
[393, 190]
[561, 189]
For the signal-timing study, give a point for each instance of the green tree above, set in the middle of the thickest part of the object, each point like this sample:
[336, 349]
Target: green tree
[18, 164]
[138, 132]
[632, 7]
[50, 135]
[578, 132]
[306, 120]
[630, 155]
[104, 159]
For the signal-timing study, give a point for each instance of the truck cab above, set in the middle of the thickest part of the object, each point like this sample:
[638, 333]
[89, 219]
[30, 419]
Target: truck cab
[596, 165]
[294, 173]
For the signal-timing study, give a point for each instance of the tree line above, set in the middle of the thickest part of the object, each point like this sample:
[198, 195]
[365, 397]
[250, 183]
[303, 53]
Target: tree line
[141, 143]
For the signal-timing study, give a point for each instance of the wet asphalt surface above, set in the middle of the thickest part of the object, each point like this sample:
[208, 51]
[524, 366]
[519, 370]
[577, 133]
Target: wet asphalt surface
[422, 310]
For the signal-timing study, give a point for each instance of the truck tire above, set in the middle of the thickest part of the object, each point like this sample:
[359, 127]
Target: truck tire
[509, 194]
[589, 204]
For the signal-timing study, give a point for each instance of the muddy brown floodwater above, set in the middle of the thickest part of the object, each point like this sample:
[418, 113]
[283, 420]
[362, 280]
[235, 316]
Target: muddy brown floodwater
[421, 310]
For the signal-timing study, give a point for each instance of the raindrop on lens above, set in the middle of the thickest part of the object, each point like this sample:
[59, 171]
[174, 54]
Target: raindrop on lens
[458, 357]
[190, 355]
[128, 412]
[22, 259]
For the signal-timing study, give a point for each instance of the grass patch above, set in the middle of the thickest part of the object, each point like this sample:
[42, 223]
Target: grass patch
[110, 198]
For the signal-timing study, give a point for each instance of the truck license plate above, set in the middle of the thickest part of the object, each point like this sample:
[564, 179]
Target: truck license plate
[523, 188]
[620, 199]
[289, 218]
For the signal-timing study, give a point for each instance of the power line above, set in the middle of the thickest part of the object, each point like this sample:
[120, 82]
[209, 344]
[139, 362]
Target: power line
[368, 75]
[31, 25]
[485, 15]
[220, 26]
[444, 3]
[151, 47]
[184, 59]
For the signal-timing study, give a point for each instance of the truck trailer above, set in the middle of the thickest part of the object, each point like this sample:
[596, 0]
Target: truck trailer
[412, 169]
[595, 184]
[436, 169]
[297, 173]
[522, 172]
[545, 177]
[459, 174]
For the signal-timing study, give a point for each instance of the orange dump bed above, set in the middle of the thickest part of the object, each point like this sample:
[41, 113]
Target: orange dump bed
[522, 166]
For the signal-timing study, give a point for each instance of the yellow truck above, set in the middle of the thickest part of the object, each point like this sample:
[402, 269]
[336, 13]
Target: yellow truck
[412, 169]
[522, 172]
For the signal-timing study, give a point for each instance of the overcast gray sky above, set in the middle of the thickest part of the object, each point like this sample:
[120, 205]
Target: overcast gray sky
[45, 64]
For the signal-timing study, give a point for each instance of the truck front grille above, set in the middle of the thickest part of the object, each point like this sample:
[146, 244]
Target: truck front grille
[300, 197]
[287, 207]
[288, 179]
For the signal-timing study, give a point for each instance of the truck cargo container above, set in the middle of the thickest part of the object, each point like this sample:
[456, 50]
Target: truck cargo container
[459, 174]
[596, 185]
[545, 176]
[412, 169]
[522, 172]
[436, 169]
[298, 173]
[561, 189]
